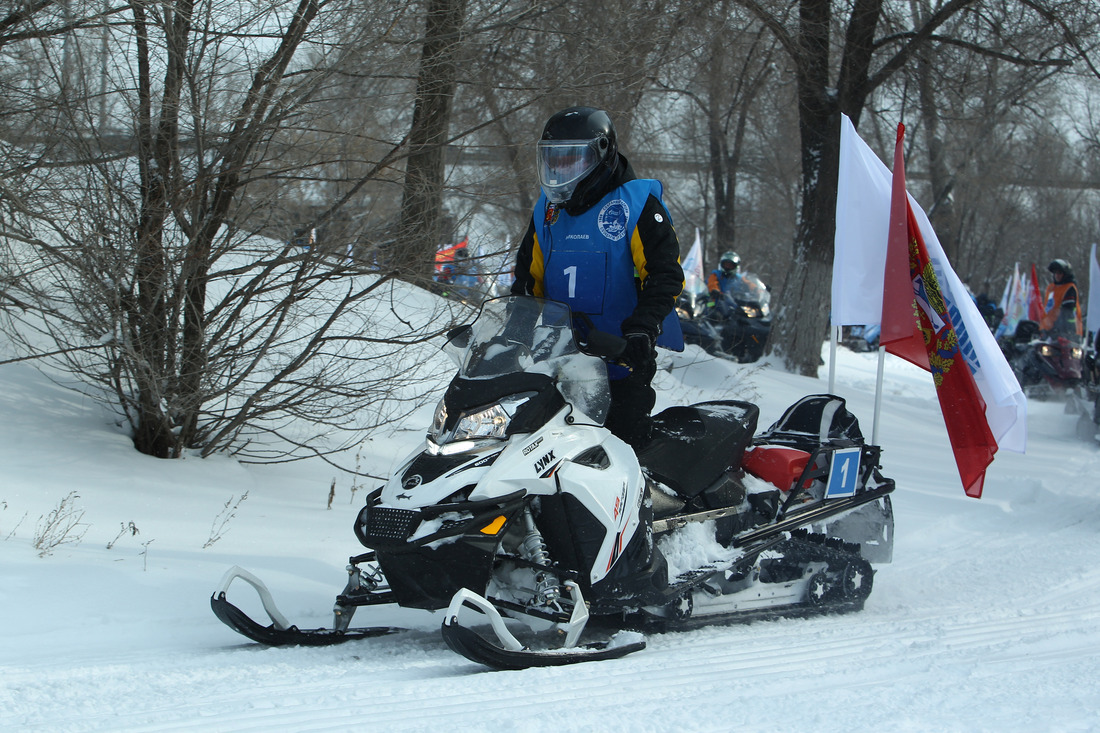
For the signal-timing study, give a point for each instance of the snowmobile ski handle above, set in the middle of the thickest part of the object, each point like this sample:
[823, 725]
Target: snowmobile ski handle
[280, 621]
[465, 597]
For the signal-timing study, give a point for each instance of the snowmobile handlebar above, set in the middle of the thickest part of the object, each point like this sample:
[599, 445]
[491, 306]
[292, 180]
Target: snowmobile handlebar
[604, 345]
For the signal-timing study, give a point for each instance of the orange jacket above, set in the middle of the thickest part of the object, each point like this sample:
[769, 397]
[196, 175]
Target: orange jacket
[1054, 296]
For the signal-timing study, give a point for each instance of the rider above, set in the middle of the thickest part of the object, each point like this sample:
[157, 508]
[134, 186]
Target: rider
[722, 280]
[1062, 311]
[601, 240]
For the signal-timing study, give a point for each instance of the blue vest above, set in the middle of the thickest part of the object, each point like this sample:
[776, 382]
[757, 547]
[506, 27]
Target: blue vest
[589, 264]
[725, 282]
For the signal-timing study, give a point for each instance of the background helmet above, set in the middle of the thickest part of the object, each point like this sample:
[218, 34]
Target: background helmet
[1061, 266]
[729, 261]
[577, 154]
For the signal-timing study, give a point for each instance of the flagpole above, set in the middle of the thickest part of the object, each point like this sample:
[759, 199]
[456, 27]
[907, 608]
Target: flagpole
[834, 336]
[878, 394]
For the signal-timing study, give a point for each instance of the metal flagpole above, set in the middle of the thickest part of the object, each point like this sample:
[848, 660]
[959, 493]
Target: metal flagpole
[878, 394]
[834, 336]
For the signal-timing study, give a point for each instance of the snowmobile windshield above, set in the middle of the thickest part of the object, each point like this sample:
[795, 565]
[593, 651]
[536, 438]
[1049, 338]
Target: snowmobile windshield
[519, 334]
[750, 289]
[562, 164]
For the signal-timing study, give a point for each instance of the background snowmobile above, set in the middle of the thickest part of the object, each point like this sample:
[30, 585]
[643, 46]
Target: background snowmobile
[523, 513]
[734, 326]
[860, 338]
[1044, 365]
[1088, 395]
[743, 316]
[691, 309]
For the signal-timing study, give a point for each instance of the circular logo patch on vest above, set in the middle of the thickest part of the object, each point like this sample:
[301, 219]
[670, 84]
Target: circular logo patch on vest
[612, 219]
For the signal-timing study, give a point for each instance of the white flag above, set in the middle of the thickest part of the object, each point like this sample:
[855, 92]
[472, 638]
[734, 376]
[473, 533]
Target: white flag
[1014, 303]
[694, 279]
[859, 264]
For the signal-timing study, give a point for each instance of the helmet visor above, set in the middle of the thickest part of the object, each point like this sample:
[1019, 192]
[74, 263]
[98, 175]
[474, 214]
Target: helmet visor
[562, 164]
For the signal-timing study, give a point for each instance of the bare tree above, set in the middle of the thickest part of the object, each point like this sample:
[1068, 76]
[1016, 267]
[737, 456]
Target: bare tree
[733, 122]
[828, 87]
[138, 264]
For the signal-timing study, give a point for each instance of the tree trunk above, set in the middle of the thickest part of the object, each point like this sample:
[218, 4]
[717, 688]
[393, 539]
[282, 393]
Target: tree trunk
[420, 227]
[151, 327]
[802, 320]
[942, 212]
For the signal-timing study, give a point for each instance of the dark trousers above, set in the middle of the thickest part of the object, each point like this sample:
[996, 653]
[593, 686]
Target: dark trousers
[632, 399]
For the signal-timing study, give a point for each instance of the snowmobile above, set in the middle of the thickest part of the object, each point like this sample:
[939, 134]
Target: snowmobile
[525, 518]
[743, 316]
[861, 339]
[1087, 397]
[691, 310]
[1044, 364]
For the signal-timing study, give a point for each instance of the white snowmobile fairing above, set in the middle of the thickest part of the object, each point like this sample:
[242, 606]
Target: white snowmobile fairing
[568, 454]
[541, 464]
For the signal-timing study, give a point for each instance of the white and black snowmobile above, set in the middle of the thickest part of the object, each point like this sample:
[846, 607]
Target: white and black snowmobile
[522, 516]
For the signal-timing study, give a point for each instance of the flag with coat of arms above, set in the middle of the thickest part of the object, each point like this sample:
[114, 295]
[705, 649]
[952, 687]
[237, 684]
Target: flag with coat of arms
[889, 269]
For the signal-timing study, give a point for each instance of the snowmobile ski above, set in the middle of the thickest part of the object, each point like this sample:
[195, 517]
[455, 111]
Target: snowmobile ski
[280, 632]
[477, 648]
[513, 655]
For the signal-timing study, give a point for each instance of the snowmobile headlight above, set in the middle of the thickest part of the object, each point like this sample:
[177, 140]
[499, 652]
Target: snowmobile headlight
[1046, 350]
[1076, 352]
[439, 420]
[488, 423]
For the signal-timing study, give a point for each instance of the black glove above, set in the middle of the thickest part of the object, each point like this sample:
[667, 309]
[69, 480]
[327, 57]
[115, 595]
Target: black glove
[640, 354]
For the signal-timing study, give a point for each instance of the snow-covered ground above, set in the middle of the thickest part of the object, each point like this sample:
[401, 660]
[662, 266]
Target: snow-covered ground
[987, 620]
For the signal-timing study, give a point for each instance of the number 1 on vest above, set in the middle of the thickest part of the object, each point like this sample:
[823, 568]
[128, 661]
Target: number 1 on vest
[571, 273]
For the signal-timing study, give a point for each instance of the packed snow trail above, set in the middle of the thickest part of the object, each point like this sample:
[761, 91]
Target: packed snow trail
[987, 620]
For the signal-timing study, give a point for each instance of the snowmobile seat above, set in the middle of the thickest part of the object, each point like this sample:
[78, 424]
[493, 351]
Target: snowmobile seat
[693, 446]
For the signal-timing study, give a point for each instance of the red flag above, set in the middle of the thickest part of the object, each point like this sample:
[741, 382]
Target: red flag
[898, 333]
[446, 254]
[917, 327]
[1035, 307]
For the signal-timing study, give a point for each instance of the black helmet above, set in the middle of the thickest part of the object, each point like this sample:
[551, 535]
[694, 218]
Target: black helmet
[577, 154]
[729, 261]
[1061, 266]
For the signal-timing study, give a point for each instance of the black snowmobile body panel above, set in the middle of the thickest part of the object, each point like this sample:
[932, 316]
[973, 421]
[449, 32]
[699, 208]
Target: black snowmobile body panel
[427, 571]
